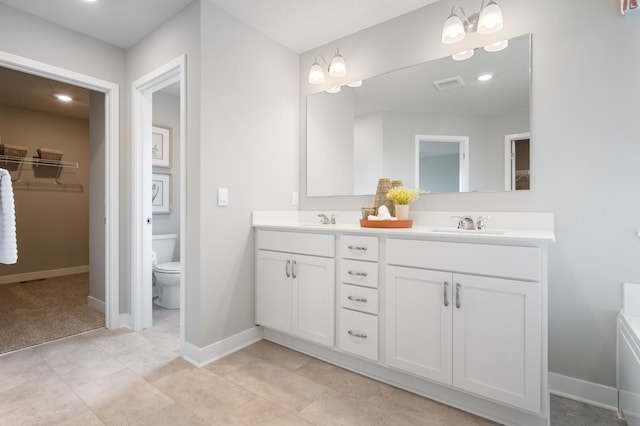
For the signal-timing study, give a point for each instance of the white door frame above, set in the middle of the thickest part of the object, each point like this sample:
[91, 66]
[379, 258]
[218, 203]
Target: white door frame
[112, 162]
[142, 91]
[509, 163]
[463, 141]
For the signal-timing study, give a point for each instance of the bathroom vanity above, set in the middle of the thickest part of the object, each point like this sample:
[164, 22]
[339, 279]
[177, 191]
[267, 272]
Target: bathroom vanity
[457, 316]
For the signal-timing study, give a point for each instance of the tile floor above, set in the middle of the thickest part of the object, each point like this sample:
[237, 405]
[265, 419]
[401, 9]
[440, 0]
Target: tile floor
[117, 377]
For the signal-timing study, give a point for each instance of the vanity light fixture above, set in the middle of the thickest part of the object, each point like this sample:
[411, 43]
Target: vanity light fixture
[356, 83]
[63, 98]
[497, 46]
[487, 21]
[461, 56]
[337, 68]
[334, 89]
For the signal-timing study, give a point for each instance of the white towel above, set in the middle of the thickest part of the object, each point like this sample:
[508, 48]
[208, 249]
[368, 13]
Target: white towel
[8, 242]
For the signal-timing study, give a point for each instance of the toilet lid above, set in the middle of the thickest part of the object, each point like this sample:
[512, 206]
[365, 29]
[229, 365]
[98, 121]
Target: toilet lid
[171, 267]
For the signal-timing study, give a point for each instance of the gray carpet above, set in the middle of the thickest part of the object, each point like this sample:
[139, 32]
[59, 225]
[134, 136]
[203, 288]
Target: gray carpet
[43, 310]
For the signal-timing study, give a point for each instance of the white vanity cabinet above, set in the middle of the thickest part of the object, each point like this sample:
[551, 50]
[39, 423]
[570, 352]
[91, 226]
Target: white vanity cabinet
[358, 328]
[295, 284]
[481, 334]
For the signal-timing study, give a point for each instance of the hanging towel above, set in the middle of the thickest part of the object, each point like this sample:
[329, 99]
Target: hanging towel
[8, 243]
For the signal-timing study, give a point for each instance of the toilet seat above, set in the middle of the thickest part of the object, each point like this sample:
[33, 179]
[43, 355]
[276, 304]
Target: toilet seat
[168, 268]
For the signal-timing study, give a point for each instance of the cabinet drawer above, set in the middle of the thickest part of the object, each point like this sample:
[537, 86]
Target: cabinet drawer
[359, 247]
[359, 334]
[359, 298]
[296, 242]
[480, 259]
[361, 273]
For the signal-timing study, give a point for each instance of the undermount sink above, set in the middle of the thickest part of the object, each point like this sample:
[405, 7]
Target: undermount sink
[470, 231]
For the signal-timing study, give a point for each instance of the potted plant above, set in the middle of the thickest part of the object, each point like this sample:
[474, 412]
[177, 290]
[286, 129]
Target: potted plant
[401, 197]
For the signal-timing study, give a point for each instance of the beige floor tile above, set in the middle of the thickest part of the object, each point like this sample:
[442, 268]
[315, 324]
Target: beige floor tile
[172, 415]
[344, 381]
[164, 334]
[341, 409]
[259, 411]
[276, 384]
[163, 370]
[18, 368]
[42, 402]
[85, 419]
[231, 363]
[205, 394]
[147, 359]
[277, 355]
[121, 343]
[78, 361]
[122, 397]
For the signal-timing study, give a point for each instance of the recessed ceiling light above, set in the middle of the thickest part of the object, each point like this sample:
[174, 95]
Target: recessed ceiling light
[485, 77]
[64, 98]
[91, 1]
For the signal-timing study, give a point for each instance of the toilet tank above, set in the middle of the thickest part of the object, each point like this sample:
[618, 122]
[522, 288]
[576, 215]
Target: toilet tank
[164, 246]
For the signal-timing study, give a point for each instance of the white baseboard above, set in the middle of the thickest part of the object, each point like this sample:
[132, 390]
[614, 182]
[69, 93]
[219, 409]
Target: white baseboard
[96, 304]
[38, 275]
[580, 390]
[203, 356]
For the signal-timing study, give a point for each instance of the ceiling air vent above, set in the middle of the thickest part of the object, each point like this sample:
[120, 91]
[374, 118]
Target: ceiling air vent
[449, 83]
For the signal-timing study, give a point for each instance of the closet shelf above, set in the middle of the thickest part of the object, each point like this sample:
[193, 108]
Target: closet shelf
[38, 162]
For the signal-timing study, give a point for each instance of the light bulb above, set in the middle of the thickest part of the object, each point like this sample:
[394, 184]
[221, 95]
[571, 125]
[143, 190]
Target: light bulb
[338, 67]
[490, 20]
[453, 30]
[316, 75]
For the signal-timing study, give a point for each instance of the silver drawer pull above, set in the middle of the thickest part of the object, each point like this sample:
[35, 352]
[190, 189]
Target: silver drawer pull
[458, 304]
[446, 294]
[357, 248]
[357, 299]
[357, 274]
[357, 334]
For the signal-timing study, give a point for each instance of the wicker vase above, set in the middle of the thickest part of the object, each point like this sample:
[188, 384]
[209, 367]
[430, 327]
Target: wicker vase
[384, 185]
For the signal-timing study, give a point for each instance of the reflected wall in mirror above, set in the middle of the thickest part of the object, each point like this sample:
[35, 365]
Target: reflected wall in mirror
[395, 126]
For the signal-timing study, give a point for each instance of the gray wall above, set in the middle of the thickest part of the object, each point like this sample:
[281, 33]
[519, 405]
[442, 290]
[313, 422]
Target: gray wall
[166, 113]
[584, 100]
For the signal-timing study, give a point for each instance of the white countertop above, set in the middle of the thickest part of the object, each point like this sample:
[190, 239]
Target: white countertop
[526, 227]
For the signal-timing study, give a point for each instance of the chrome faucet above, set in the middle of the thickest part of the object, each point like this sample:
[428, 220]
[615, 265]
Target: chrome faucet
[465, 222]
[324, 219]
[480, 222]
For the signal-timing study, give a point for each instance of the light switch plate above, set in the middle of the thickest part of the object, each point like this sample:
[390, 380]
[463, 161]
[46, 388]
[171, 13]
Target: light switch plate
[223, 197]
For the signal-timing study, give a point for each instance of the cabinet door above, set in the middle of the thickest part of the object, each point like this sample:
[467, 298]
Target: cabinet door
[419, 321]
[313, 308]
[497, 339]
[273, 290]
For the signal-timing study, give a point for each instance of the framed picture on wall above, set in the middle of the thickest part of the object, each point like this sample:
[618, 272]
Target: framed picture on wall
[160, 193]
[161, 147]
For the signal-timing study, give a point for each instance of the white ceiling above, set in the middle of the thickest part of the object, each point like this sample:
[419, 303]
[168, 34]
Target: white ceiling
[300, 25]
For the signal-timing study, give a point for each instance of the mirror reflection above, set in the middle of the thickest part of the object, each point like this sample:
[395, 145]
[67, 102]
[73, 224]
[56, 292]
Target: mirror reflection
[435, 126]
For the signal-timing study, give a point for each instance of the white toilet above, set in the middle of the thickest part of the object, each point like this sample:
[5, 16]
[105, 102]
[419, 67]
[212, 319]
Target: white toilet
[166, 273]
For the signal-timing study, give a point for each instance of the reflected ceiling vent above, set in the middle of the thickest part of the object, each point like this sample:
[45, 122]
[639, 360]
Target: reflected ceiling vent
[449, 83]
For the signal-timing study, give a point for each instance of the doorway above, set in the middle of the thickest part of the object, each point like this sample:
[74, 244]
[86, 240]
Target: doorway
[442, 163]
[110, 221]
[143, 89]
[517, 164]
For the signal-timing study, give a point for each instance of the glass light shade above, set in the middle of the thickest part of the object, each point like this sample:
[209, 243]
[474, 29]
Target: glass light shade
[490, 20]
[356, 83]
[461, 56]
[453, 30]
[338, 67]
[497, 46]
[335, 89]
[316, 75]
